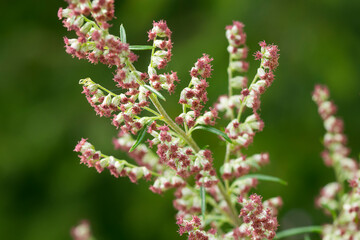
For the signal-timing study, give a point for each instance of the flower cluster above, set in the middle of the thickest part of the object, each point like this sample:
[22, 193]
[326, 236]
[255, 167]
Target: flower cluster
[92, 158]
[237, 52]
[164, 150]
[327, 198]
[195, 95]
[241, 166]
[93, 39]
[243, 133]
[192, 227]
[336, 154]
[269, 61]
[343, 205]
[345, 225]
[162, 56]
[259, 221]
[160, 34]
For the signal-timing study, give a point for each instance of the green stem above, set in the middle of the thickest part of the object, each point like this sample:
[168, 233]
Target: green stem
[227, 159]
[152, 52]
[152, 111]
[185, 125]
[232, 210]
[228, 152]
[213, 203]
[230, 77]
[173, 125]
[243, 102]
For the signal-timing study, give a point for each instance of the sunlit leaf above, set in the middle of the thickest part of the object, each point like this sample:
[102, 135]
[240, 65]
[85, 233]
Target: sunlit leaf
[153, 90]
[300, 230]
[264, 178]
[140, 137]
[214, 131]
[122, 34]
[140, 47]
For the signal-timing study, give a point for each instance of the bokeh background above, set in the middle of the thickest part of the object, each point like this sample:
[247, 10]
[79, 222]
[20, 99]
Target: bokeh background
[44, 191]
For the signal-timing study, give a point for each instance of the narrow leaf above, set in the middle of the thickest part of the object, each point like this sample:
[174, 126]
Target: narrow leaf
[153, 90]
[122, 34]
[307, 237]
[264, 178]
[213, 130]
[140, 137]
[140, 47]
[300, 230]
[203, 203]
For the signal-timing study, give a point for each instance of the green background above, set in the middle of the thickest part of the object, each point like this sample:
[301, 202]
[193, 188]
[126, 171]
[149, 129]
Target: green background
[44, 191]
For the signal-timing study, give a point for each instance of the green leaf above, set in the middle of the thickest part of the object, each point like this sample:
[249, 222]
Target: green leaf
[203, 203]
[153, 90]
[264, 178]
[307, 237]
[122, 34]
[140, 47]
[140, 137]
[300, 230]
[213, 130]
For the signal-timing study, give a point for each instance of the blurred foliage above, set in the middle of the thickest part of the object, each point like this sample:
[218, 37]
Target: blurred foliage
[44, 190]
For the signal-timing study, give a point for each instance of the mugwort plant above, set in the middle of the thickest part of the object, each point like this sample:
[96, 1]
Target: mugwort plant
[211, 203]
[340, 199]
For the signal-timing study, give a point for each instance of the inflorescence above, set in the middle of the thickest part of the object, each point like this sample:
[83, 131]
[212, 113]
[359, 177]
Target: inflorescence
[340, 199]
[170, 158]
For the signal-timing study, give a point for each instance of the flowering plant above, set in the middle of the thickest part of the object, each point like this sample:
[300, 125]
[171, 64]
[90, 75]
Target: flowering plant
[342, 202]
[211, 203]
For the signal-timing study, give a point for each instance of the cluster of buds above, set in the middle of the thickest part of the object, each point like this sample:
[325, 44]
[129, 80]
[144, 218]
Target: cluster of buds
[344, 206]
[163, 81]
[195, 96]
[192, 227]
[241, 166]
[355, 183]
[182, 159]
[336, 154]
[327, 198]
[142, 155]
[259, 220]
[238, 52]
[93, 39]
[161, 35]
[227, 104]
[241, 187]
[104, 105]
[187, 202]
[166, 181]
[269, 61]
[243, 133]
[188, 118]
[273, 204]
[269, 57]
[92, 158]
[346, 224]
